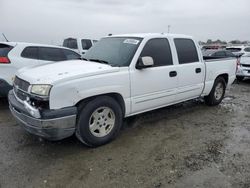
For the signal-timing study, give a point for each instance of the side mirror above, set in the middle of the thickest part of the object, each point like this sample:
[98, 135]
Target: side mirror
[144, 62]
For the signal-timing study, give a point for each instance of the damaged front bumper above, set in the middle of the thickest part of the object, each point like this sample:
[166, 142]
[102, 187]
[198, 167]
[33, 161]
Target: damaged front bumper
[49, 124]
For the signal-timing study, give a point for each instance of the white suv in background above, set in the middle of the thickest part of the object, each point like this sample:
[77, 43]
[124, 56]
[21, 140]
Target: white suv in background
[16, 55]
[79, 45]
[239, 50]
[243, 70]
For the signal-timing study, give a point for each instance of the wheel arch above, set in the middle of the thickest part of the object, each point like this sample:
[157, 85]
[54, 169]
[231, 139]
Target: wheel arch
[116, 96]
[225, 76]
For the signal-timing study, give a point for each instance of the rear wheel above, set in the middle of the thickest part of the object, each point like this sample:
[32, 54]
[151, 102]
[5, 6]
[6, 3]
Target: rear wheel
[217, 93]
[99, 121]
[240, 78]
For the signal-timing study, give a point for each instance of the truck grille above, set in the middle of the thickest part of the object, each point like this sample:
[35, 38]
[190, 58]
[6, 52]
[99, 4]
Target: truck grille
[20, 88]
[20, 94]
[245, 65]
[21, 84]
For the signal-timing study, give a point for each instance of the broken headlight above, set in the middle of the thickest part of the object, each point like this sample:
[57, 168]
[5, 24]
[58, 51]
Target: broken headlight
[41, 89]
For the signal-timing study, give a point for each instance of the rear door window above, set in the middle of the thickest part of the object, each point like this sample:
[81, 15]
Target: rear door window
[159, 49]
[186, 51]
[70, 43]
[51, 54]
[4, 50]
[70, 54]
[30, 52]
[86, 44]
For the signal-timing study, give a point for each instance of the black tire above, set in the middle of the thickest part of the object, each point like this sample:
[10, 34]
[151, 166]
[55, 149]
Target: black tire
[85, 112]
[240, 78]
[211, 100]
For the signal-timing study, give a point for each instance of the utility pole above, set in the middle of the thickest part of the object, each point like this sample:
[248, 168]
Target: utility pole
[169, 26]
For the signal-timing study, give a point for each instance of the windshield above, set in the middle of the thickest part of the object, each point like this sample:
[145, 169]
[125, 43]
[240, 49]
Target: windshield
[115, 51]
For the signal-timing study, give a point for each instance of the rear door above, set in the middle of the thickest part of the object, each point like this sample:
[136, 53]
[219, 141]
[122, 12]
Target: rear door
[191, 71]
[155, 86]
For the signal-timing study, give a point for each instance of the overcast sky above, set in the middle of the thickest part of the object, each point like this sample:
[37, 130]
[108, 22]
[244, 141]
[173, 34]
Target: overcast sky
[49, 21]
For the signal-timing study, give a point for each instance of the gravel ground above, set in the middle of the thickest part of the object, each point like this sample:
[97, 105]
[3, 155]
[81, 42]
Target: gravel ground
[185, 145]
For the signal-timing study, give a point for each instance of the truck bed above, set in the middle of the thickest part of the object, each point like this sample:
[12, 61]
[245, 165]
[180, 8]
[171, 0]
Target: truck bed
[216, 67]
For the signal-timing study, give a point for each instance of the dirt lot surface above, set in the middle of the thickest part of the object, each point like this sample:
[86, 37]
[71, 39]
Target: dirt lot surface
[185, 145]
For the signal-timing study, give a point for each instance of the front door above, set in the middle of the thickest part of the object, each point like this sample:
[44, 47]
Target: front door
[155, 86]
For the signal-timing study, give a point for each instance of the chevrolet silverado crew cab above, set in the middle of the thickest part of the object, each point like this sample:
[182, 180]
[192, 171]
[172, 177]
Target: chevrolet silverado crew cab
[121, 76]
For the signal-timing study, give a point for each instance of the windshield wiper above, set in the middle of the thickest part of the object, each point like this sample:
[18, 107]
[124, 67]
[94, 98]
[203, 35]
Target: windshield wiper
[99, 61]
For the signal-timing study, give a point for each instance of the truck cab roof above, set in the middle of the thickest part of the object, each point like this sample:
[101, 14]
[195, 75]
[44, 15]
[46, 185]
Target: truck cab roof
[152, 35]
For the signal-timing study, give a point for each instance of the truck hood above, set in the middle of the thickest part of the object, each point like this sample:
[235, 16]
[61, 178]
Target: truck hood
[63, 71]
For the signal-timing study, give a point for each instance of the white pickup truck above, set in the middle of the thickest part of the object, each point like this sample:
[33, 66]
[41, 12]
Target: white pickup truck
[121, 76]
[79, 45]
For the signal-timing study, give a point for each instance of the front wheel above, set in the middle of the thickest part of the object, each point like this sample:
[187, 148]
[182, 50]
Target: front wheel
[99, 121]
[217, 93]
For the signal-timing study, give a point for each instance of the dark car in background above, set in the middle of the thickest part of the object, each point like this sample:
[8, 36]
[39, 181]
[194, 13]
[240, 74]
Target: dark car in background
[217, 54]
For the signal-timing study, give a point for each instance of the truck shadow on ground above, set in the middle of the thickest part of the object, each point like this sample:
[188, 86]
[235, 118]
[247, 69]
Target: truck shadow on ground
[24, 139]
[131, 124]
[170, 143]
[166, 113]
